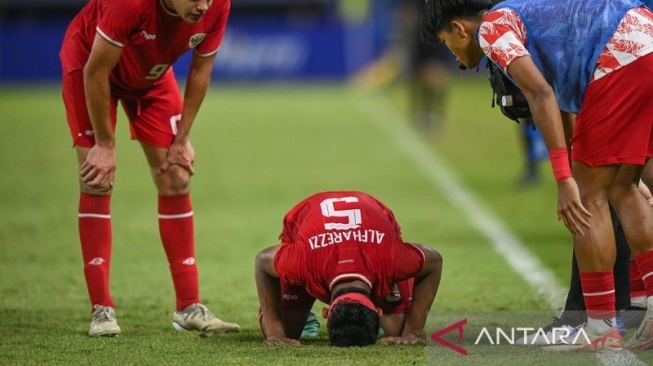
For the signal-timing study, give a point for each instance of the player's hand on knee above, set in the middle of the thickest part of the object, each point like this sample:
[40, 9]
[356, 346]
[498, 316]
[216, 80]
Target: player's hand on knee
[570, 208]
[97, 171]
[404, 340]
[181, 154]
[281, 342]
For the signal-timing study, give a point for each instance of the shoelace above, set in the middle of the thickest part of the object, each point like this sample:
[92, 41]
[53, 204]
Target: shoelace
[198, 311]
[556, 322]
[103, 313]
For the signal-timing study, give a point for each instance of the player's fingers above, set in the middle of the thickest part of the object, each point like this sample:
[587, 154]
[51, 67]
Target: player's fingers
[564, 220]
[281, 342]
[85, 170]
[385, 340]
[575, 225]
[164, 167]
[580, 221]
[111, 177]
[582, 215]
[187, 166]
[89, 176]
[388, 340]
[97, 181]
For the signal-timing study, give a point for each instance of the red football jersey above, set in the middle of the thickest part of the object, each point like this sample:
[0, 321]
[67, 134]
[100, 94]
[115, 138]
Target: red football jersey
[335, 236]
[152, 38]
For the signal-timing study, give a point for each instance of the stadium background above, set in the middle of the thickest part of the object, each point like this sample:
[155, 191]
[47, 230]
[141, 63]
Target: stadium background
[265, 40]
[280, 100]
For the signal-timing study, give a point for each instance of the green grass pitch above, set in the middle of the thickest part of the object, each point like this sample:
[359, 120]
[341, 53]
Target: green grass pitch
[260, 149]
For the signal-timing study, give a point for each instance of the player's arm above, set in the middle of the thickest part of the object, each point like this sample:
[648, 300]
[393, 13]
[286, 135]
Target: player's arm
[197, 84]
[425, 287]
[100, 162]
[268, 287]
[546, 113]
[199, 77]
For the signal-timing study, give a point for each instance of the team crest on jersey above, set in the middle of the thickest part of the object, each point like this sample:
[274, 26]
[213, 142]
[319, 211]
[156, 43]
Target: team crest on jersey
[196, 39]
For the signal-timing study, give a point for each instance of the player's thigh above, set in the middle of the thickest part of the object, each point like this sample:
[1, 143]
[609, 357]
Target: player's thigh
[296, 304]
[77, 116]
[395, 306]
[154, 114]
[593, 182]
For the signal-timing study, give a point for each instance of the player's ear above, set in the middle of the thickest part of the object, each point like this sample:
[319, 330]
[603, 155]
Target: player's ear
[379, 311]
[325, 312]
[458, 28]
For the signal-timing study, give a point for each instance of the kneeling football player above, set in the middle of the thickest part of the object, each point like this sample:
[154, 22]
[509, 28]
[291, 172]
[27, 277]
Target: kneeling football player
[345, 249]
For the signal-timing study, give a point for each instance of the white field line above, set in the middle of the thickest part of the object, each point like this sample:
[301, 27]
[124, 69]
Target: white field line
[528, 266]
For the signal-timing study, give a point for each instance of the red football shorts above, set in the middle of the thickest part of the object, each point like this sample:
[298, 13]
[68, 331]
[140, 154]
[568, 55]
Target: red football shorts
[153, 113]
[295, 298]
[615, 121]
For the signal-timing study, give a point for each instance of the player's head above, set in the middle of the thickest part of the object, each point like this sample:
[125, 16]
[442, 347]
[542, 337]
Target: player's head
[190, 11]
[353, 319]
[454, 23]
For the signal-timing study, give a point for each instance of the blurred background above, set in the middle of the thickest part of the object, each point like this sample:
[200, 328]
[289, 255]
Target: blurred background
[265, 40]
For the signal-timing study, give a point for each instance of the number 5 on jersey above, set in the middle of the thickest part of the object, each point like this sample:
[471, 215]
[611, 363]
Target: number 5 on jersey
[329, 211]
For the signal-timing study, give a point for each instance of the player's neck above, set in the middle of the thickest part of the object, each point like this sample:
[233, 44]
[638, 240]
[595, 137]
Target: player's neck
[349, 284]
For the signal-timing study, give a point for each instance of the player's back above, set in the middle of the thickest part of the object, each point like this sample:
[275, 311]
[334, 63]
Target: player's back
[333, 235]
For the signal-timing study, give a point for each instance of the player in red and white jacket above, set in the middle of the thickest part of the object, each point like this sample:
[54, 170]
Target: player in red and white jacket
[345, 249]
[122, 51]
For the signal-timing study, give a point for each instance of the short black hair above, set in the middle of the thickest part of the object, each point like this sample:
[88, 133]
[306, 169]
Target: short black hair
[352, 324]
[438, 14]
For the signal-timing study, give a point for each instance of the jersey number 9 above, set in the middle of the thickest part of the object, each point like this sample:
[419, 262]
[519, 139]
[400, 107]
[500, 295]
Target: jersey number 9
[157, 71]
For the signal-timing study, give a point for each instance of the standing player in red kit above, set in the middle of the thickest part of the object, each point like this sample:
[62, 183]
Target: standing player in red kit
[345, 249]
[122, 50]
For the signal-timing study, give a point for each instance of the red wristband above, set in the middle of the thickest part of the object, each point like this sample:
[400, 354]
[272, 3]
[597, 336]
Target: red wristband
[560, 163]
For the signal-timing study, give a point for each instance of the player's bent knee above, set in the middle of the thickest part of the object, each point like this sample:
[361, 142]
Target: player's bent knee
[617, 194]
[174, 182]
[102, 190]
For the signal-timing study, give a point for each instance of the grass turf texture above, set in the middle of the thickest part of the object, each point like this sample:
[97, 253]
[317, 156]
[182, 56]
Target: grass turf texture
[259, 151]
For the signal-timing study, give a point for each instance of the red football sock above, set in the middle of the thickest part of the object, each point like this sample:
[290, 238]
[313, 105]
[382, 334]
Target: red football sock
[645, 266]
[94, 222]
[637, 288]
[178, 237]
[598, 291]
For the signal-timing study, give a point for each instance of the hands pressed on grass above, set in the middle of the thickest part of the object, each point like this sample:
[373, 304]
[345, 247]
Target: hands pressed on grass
[281, 342]
[405, 340]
